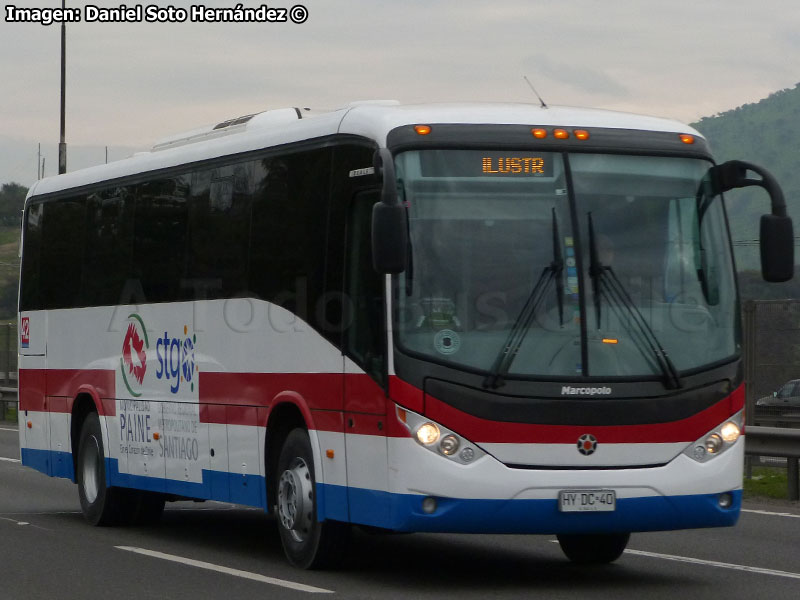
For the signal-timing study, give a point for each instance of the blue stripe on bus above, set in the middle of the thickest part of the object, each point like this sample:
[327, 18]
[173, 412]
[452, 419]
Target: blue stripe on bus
[56, 464]
[403, 512]
[248, 490]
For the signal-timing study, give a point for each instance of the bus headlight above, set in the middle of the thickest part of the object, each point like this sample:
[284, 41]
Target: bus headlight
[438, 439]
[428, 434]
[449, 444]
[718, 440]
[730, 432]
[713, 443]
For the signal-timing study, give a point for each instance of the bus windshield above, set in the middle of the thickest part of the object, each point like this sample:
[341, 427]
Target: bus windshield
[511, 253]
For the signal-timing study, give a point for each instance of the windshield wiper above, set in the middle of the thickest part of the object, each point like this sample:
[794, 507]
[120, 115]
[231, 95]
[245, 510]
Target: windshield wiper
[606, 283]
[553, 272]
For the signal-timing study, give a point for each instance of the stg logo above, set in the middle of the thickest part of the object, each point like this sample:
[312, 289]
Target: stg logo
[176, 360]
[175, 356]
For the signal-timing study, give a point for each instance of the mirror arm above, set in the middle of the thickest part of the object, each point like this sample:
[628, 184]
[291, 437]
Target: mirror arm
[733, 174]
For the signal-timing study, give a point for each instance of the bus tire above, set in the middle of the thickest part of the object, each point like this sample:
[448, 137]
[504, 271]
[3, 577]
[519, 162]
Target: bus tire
[307, 542]
[594, 548]
[101, 505]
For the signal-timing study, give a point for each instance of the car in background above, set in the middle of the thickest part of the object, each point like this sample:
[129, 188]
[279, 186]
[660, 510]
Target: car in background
[783, 405]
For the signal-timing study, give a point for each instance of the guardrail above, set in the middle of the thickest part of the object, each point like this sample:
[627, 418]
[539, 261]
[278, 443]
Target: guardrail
[780, 442]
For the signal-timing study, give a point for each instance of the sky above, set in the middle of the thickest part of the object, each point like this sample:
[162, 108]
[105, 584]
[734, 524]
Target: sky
[130, 84]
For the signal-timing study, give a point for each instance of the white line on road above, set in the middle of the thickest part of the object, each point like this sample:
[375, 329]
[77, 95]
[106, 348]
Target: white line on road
[16, 460]
[713, 563]
[228, 571]
[9, 429]
[770, 513]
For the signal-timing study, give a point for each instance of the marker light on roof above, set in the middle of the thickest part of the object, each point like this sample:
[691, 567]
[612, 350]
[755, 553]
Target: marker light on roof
[581, 134]
[422, 129]
[539, 134]
[686, 138]
[561, 134]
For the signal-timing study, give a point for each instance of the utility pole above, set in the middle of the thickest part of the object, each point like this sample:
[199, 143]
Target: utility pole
[62, 146]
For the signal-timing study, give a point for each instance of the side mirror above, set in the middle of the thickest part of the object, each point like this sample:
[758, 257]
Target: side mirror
[389, 220]
[777, 248]
[777, 234]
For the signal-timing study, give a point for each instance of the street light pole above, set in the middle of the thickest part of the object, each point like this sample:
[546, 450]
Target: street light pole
[62, 146]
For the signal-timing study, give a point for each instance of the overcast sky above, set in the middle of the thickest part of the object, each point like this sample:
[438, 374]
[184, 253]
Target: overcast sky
[130, 84]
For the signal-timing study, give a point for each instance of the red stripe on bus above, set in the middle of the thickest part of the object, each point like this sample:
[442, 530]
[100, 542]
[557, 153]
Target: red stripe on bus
[45, 389]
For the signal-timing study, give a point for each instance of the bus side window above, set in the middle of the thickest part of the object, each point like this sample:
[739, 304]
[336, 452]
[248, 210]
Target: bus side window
[62, 253]
[159, 254]
[219, 230]
[109, 247]
[30, 293]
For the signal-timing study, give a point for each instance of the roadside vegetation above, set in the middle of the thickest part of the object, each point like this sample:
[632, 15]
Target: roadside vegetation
[769, 482]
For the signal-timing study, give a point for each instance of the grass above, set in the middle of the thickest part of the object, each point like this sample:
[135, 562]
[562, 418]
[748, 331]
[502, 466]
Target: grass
[771, 482]
[10, 412]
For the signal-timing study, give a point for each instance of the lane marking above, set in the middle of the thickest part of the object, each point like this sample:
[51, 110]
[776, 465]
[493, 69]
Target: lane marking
[226, 570]
[770, 513]
[713, 563]
[24, 523]
[9, 429]
[15, 460]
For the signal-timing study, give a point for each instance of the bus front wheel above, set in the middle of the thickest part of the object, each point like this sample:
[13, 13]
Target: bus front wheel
[307, 542]
[594, 548]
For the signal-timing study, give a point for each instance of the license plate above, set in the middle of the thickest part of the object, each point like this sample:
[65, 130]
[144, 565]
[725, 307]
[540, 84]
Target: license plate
[587, 500]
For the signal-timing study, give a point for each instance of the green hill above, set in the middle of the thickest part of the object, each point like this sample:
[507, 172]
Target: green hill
[766, 133]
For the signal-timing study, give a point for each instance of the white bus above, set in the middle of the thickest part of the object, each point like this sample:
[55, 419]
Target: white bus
[452, 318]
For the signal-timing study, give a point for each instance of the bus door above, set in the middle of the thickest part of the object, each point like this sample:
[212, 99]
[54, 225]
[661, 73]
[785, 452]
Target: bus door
[365, 368]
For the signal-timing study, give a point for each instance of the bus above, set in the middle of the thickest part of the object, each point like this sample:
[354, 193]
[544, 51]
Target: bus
[465, 318]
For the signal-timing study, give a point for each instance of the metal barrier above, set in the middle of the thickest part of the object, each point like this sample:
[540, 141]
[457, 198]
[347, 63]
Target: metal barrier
[774, 441]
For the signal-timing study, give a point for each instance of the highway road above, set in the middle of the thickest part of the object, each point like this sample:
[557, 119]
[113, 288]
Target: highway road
[212, 550]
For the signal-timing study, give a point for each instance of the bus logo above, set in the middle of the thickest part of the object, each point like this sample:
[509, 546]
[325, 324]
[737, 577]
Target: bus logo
[25, 332]
[587, 444]
[133, 362]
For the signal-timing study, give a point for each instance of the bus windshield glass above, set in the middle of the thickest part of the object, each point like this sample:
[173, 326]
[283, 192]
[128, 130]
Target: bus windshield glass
[511, 252]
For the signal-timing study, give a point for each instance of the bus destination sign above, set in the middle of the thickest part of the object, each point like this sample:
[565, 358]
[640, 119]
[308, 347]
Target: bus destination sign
[513, 165]
[483, 163]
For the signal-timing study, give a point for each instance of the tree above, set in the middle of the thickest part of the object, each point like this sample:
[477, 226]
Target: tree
[12, 200]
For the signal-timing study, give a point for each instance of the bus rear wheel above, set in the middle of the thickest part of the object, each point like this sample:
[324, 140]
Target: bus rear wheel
[594, 548]
[101, 505]
[307, 542]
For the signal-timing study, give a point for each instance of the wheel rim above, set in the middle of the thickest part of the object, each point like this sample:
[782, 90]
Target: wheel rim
[90, 470]
[296, 500]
